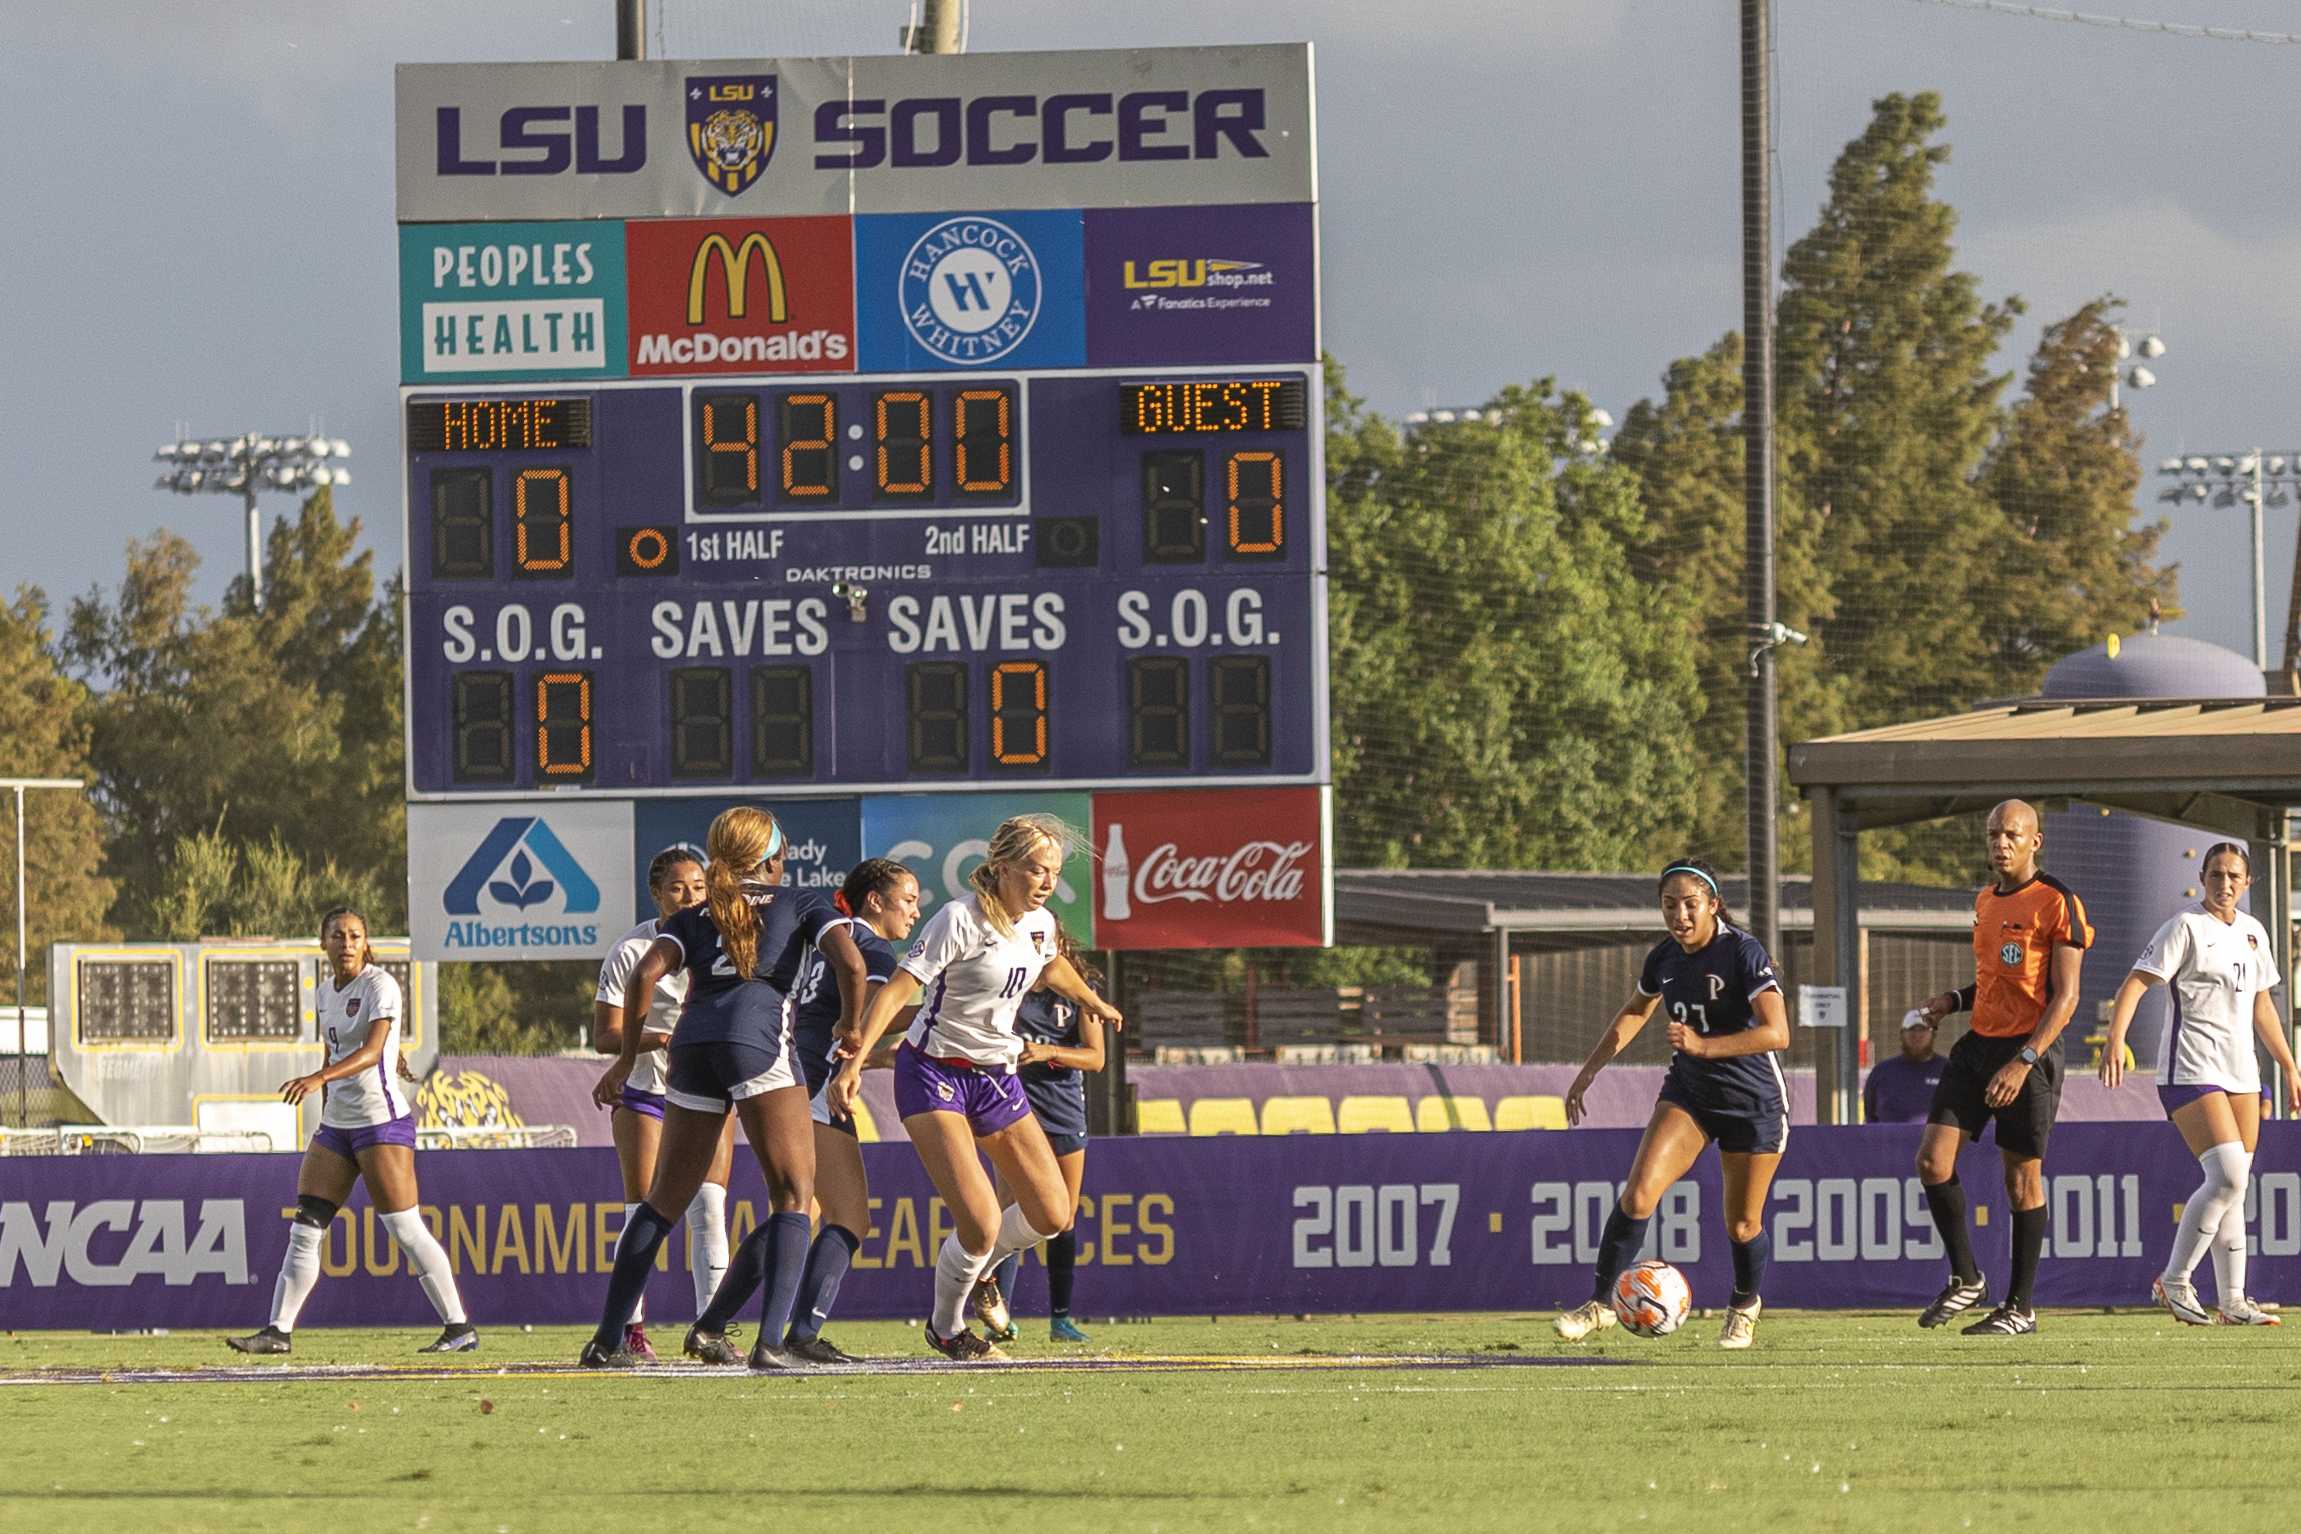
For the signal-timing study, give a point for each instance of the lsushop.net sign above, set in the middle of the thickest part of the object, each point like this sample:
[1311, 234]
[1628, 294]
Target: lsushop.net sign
[1212, 868]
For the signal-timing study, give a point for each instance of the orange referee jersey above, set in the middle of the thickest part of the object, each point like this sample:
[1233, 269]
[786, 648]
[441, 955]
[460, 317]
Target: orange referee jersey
[2014, 936]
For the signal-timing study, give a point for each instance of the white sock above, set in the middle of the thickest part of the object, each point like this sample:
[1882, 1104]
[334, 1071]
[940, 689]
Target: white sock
[638, 1311]
[956, 1270]
[2228, 1247]
[1015, 1235]
[2224, 1185]
[299, 1270]
[707, 1241]
[428, 1260]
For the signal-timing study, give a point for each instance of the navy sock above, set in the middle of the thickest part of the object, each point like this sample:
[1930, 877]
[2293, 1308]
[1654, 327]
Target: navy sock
[1616, 1247]
[2028, 1246]
[1947, 1201]
[1062, 1268]
[827, 1262]
[643, 1235]
[786, 1263]
[1009, 1271]
[745, 1269]
[1750, 1259]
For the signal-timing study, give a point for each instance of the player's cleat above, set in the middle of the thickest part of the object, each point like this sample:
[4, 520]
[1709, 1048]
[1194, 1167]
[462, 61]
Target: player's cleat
[636, 1344]
[2243, 1312]
[594, 1356]
[705, 1348]
[2005, 1321]
[2179, 1297]
[1585, 1318]
[460, 1337]
[990, 1308]
[1064, 1329]
[767, 1360]
[963, 1346]
[1958, 1297]
[818, 1349]
[1741, 1328]
[269, 1339]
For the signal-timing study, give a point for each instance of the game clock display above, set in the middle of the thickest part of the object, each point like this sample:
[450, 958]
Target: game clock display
[867, 582]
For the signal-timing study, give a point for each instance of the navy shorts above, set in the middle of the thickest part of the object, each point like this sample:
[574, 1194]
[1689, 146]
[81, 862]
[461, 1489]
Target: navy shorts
[819, 1073]
[1065, 1144]
[713, 1077]
[1061, 1109]
[1765, 1132]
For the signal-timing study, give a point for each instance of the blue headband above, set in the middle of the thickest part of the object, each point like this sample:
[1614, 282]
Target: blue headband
[1688, 868]
[774, 841]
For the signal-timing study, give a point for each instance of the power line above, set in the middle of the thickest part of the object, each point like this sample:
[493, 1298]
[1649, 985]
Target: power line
[2118, 23]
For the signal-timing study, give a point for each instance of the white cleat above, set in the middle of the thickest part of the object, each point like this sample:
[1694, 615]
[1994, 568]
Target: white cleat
[1741, 1328]
[2243, 1312]
[1583, 1319]
[2179, 1297]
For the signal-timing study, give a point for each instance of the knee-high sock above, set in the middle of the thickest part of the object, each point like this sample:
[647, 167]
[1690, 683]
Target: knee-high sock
[638, 1306]
[1616, 1246]
[427, 1259]
[1947, 1201]
[1016, 1234]
[746, 1270]
[2228, 1246]
[1062, 1266]
[1010, 1268]
[2224, 1167]
[784, 1259]
[707, 1241]
[827, 1263]
[956, 1269]
[2029, 1227]
[1750, 1258]
[643, 1236]
[299, 1270]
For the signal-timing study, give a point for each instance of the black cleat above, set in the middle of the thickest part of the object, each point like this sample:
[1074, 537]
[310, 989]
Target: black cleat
[818, 1349]
[269, 1339]
[594, 1356]
[1960, 1296]
[767, 1360]
[963, 1346]
[703, 1347]
[460, 1337]
[2005, 1321]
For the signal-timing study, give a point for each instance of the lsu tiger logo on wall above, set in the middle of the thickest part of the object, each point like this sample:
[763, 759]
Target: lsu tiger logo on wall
[731, 128]
[465, 1100]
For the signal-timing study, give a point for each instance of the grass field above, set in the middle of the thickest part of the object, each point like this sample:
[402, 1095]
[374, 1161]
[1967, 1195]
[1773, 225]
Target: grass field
[1832, 1422]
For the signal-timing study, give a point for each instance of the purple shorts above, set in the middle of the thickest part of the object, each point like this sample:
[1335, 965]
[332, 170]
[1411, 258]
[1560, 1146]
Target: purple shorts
[990, 1098]
[2182, 1096]
[649, 1103]
[348, 1143]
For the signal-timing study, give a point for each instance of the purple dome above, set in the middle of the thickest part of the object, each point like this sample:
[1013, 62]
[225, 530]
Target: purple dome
[2154, 666]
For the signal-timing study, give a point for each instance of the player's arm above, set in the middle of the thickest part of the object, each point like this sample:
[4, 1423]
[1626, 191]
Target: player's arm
[839, 950]
[662, 956]
[1065, 981]
[1086, 1055]
[1771, 1033]
[365, 1058]
[2270, 1029]
[894, 994]
[1619, 1031]
[2138, 983]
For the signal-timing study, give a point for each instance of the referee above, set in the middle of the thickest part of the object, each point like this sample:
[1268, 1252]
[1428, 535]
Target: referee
[2030, 934]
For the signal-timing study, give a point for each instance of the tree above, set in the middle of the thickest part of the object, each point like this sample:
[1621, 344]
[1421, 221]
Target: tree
[1499, 698]
[44, 734]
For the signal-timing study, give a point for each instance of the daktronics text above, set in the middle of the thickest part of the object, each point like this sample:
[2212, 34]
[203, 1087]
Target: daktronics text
[1076, 128]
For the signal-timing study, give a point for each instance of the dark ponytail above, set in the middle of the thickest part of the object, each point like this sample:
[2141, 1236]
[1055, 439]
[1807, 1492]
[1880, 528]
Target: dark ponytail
[2234, 849]
[872, 876]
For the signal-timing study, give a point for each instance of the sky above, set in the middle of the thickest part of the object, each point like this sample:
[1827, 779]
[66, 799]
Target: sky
[199, 217]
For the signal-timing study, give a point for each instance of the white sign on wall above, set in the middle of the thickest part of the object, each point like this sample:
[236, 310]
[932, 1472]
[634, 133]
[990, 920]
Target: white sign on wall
[518, 881]
[1822, 1006]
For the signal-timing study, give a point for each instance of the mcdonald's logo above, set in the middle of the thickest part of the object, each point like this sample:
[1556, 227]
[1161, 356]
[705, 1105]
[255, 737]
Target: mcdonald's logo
[735, 270]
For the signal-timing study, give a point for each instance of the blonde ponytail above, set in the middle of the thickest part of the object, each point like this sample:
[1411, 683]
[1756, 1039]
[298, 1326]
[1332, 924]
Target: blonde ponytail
[1018, 837]
[738, 841]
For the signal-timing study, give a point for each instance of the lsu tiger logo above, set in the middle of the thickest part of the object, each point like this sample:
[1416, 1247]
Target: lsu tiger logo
[731, 128]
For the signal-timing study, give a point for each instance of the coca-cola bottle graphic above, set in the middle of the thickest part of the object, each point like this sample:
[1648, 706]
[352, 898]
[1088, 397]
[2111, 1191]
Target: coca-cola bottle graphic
[1118, 877]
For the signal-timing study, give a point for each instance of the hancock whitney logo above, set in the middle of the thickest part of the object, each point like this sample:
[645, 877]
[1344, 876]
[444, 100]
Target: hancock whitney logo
[970, 290]
[731, 128]
[517, 867]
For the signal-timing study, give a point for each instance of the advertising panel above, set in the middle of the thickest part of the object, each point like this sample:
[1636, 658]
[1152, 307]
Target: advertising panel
[502, 881]
[1192, 285]
[895, 134]
[1212, 868]
[741, 296]
[824, 837]
[970, 290]
[482, 302]
[943, 836]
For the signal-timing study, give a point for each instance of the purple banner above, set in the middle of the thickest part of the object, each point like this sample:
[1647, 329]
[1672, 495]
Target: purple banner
[1234, 1225]
[1206, 285]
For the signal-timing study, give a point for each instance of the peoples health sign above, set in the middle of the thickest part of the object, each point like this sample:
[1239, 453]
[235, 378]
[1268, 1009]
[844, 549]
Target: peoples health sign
[518, 881]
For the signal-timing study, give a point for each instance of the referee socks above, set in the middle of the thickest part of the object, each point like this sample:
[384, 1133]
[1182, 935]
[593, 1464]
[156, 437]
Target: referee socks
[1947, 1201]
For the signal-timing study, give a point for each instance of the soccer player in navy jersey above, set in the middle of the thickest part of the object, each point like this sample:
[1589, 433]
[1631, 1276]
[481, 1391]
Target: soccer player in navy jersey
[1727, 1022]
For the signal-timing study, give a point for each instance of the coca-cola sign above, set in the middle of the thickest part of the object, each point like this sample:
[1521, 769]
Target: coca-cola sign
[1212, 868]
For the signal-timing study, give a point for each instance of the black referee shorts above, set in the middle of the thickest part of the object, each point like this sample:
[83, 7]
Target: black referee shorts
[2023, 1125]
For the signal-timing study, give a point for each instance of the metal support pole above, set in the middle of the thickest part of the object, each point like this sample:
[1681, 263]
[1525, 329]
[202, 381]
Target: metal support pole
[2260, 595]
[1759, 766]
[938, 28]
[255, 546]
[23, 1029]
[1836, 953]
[2275, 855]
[631, 29]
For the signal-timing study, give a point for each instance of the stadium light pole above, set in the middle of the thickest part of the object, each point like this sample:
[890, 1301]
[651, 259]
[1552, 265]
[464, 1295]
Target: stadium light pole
[2150, 346]
[2255, 478]
[23, 1042]
[1760, 695]
[247, 466]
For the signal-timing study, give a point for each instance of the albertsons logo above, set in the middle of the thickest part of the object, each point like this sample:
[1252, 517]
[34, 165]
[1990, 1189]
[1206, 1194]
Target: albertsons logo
[519, 867]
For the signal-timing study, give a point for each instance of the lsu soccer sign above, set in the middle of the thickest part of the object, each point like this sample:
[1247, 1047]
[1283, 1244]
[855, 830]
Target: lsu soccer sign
[1200, 868]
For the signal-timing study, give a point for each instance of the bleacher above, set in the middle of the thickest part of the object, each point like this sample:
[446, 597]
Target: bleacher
[1315, 1026]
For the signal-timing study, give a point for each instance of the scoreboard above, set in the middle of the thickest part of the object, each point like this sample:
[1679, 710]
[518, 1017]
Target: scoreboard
[863, 434]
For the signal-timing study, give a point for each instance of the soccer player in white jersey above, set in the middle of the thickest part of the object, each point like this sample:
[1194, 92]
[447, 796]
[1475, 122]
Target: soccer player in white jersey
[366, 1133]
[2219, 966]
[955, 1081]
[674, 882]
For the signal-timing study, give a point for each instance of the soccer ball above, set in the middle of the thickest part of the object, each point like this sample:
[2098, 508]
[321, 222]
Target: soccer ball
[1651, 1299]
